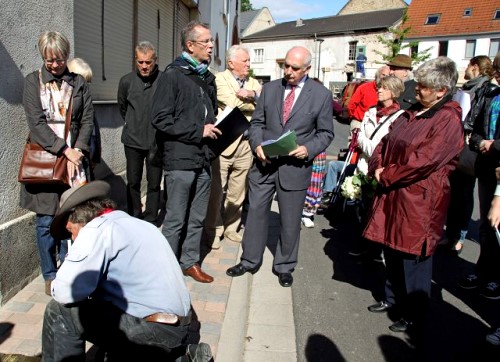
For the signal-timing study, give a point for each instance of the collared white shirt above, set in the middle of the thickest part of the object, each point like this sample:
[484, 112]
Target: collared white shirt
[298, 89]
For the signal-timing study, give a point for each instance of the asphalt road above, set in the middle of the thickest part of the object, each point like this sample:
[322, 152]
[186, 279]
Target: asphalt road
[332, 290]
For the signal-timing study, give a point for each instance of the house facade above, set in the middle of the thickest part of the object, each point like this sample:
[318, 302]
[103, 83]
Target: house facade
[459, 29]
[334, 43]
[104, 33]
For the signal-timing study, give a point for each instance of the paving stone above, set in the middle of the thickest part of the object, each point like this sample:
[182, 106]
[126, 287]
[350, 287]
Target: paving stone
[20, 307]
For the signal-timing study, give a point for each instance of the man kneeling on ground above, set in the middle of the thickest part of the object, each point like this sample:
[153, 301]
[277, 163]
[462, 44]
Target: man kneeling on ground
[120, 287]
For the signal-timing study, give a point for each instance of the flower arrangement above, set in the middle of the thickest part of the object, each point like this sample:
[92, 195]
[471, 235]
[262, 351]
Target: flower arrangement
[355, 186]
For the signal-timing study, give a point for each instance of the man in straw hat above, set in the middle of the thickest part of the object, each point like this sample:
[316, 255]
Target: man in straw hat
[401, 67]
[120, 286]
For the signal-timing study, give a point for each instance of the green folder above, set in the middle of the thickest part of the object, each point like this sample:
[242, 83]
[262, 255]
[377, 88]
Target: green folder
[282, 146]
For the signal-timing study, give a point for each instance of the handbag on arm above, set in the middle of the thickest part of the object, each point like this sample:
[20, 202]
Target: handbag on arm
[39, 166]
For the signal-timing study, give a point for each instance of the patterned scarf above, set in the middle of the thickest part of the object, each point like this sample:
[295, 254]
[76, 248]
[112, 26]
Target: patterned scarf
[199, 68]
[386, 111]
[55, 103]
[494, 115]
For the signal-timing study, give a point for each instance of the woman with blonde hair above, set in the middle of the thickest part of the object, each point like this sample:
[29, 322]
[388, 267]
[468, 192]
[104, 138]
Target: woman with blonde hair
[49, 92]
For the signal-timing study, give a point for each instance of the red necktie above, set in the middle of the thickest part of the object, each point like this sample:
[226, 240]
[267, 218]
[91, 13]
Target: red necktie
[288, 104]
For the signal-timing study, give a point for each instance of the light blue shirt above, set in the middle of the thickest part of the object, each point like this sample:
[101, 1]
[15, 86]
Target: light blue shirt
[126, 261]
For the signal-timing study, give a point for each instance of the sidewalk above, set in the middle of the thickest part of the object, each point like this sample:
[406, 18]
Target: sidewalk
[248, 319]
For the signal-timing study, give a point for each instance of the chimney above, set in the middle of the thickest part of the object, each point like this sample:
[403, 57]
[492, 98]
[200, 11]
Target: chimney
[299, 22]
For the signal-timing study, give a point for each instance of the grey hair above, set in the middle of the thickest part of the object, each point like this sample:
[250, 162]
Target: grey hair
[378, 73]
[80, 66]
[189, 32]
[438, 73]
[53, 41]
[231, 52]
[89, 210]
[144, 47]
[392, 83]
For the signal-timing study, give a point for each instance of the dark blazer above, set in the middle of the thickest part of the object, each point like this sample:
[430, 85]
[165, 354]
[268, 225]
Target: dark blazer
[312, 120]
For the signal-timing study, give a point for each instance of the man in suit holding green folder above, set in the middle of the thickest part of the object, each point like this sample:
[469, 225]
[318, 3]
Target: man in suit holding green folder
[297, 103]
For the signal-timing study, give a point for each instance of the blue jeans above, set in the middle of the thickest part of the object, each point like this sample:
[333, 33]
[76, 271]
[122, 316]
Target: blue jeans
[47, 246]
[122, 336]
[332, 173]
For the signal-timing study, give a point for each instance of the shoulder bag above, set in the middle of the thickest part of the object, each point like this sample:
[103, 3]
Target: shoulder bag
[39, 166]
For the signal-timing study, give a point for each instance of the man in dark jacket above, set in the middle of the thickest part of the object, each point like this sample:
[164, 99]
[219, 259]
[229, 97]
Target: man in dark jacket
[184, 108]
[135, 94]
[401, 67]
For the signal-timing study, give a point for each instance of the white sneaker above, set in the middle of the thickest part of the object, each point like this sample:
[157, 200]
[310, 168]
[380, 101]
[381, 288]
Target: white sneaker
[308, 221]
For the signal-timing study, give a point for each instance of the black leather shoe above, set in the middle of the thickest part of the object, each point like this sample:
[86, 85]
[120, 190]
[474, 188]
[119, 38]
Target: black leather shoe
[400, 326]
[239, 269]
[285, 279]
[380, 307]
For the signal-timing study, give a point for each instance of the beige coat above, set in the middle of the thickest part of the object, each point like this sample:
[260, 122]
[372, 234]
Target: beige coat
[227, 86]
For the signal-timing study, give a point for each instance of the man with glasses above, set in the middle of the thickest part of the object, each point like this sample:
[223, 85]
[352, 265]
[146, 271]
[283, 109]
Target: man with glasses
[401, 68]
[296, 103]
[135, 95]
[184, 108]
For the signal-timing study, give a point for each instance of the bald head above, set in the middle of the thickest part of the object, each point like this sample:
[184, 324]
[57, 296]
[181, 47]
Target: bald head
[297, 64]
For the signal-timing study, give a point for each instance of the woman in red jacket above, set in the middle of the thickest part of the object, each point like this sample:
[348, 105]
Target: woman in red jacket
[412, 164]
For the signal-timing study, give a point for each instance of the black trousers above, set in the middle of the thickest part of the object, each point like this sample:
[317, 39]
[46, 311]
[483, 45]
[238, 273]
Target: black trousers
[408, 283]
[135, 164]
[122, 336]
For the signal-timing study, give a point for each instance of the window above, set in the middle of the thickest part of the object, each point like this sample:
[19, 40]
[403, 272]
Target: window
[494, 47]
[432, 19]
[443, 48]
[259, 55]
[470, 48]
[352, 50]
[497, 15]
[414, 51]
[468, 12]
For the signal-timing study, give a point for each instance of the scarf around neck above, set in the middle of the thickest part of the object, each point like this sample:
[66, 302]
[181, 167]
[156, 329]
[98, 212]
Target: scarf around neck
[386, 111]
[199, 68]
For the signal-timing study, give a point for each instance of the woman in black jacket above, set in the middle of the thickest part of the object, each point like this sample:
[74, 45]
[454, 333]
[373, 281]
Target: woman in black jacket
[46, 99]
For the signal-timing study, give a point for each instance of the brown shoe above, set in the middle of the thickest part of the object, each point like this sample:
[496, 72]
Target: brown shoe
[197, 274]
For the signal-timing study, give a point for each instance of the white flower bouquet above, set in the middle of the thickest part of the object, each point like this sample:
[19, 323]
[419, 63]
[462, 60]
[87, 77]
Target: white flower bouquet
[354, 186]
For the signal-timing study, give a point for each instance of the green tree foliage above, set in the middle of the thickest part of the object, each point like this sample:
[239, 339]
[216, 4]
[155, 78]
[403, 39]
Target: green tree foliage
[394, 45]
[246, 5]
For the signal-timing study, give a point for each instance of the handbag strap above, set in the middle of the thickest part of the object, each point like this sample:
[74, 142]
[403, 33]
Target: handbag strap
[394, 115]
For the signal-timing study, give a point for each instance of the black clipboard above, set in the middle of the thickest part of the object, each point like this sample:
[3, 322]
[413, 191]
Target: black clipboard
[232, 124]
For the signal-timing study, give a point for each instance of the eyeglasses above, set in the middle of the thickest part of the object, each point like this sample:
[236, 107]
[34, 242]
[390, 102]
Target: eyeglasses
[204, 42]
[52, 61]
[147, 62]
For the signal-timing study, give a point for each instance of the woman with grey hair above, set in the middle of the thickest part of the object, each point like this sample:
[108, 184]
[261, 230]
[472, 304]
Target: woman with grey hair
[49, 92]
[412, 165]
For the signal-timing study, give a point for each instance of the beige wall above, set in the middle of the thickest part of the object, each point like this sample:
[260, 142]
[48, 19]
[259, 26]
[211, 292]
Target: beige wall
[361, 6]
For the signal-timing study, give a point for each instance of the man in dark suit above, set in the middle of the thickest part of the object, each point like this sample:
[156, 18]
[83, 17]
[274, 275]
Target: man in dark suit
[298, 103]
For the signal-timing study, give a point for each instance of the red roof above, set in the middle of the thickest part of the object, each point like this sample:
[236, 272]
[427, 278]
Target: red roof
[452, 20]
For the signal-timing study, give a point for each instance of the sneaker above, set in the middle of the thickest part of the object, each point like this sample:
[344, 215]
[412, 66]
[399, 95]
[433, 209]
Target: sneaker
[494, 338]
[199, 353]
[469, 282]
[308, 221]
[491, 291]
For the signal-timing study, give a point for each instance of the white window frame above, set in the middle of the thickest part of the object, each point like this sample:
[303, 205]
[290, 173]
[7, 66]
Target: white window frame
[258, 55]
[470, 48]
[431, 17]
[494, 47]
